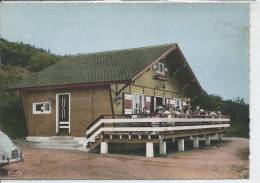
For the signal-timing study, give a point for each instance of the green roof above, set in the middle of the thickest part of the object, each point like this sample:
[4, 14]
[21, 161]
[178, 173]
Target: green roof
[108, 66]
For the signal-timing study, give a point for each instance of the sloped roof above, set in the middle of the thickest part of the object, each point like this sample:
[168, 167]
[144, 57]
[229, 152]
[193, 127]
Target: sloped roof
[102, 67]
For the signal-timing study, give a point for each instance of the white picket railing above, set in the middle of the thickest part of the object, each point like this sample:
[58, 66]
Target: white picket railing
[171, 125]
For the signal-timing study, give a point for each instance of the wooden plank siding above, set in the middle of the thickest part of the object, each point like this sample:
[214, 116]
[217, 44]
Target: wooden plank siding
[136, 89]
[39, 124]
[87, 104]
[149, 91]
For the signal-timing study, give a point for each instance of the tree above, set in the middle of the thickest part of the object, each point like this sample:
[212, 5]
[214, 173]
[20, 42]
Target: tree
[237, 109]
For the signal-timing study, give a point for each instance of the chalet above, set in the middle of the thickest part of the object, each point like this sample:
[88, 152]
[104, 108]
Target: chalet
[81, 96]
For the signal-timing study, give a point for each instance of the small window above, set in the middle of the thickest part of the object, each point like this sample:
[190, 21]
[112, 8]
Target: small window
[160, 68]
[42, 108]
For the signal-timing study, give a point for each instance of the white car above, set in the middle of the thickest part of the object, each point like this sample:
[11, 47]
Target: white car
[9, 153]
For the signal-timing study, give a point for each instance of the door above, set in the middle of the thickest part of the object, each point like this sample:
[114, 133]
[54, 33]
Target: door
[63, 114]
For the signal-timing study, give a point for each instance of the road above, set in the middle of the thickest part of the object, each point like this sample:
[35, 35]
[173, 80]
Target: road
[228, 159]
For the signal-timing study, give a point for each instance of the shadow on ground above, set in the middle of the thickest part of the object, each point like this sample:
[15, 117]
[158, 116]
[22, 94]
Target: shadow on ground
[140, 149]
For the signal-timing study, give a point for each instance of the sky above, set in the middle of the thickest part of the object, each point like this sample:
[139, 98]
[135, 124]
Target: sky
[214, 38]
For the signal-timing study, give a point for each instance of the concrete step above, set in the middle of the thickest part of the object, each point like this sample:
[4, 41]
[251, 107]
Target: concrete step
[63, 141]
[57, 146]
[62, 145]
[61, 138]
[62, 148]
[60, 142]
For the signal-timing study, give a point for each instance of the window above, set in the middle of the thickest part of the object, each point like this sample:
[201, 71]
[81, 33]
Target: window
[160, 68]
[179, 104]
[138, 104]
[176, 103]
[42, 108]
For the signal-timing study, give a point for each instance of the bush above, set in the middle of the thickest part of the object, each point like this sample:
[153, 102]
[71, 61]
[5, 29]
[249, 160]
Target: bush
[237, 109]
[12, 117]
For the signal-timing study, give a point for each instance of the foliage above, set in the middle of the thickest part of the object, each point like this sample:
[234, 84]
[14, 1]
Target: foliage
[26, 56]
[17, 61]
[237, 109]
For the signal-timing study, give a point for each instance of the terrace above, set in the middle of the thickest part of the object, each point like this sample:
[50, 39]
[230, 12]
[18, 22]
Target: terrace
[150, 129]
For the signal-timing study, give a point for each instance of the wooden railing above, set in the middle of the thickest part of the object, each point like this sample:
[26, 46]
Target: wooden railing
[148, 123]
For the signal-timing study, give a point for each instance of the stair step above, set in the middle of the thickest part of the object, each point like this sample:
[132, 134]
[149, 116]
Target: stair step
[63, 141]
[60, 142]
[62, 148]
[61, 138]
[59, 146]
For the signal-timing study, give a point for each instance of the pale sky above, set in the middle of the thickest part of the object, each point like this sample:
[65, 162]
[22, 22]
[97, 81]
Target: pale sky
[214, 38]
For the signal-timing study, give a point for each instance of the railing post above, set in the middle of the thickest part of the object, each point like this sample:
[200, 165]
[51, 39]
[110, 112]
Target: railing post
[220, 136]
[149, 150]
[181, 144]
[196, 142]
[103, 148]
[207, 140]
[162, 147]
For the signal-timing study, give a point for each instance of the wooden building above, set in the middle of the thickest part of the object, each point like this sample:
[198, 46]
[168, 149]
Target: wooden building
[68, 97]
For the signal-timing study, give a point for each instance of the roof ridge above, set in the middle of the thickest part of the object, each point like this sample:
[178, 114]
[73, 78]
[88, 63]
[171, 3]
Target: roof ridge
[125, 49]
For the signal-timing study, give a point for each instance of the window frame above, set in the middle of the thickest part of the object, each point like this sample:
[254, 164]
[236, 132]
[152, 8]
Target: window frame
[160, 68]
[137, 103]
[34, 111]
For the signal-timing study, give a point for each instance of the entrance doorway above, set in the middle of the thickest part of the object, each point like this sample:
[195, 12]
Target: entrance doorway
[63, 114]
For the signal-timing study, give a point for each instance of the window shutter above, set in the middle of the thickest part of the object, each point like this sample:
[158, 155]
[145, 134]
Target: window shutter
[180, 104]
[147, 104]
[128, 103]
[155, 67]
[167, 103]
[162, 68]
[165, 69]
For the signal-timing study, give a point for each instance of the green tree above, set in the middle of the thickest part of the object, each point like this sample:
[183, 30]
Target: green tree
[237, 109]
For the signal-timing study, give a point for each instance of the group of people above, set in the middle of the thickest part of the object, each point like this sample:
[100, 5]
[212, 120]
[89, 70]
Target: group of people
[185, 111]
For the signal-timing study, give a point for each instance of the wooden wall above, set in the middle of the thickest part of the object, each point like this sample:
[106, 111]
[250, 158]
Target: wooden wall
[39, 124]
[86, 105]
[146, 85]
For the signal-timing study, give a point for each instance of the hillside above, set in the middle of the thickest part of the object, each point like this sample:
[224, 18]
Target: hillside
[18, 60]
[26, 56]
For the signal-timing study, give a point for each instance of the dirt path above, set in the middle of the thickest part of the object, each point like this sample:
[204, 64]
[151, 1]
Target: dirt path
[228, 159]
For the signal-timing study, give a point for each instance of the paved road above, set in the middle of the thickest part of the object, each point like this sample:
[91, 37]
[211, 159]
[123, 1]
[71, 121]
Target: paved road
[228, 159]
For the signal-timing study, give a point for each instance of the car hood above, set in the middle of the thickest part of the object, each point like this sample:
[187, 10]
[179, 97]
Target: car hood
[6, 145]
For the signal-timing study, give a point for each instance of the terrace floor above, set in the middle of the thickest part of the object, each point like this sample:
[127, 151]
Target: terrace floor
[228, 159]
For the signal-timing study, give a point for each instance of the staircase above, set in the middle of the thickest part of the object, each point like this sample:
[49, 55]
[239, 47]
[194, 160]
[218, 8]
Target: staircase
[93, 145]
[60, 142]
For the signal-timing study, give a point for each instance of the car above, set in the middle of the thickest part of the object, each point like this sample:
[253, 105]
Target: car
[9, 152]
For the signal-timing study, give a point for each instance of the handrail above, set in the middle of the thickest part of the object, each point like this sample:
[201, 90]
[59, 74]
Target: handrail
[153, 129]
[114, 117]
[95, 121]
[181, 119]
[153, 120]
[162, 122]
[182, 115]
